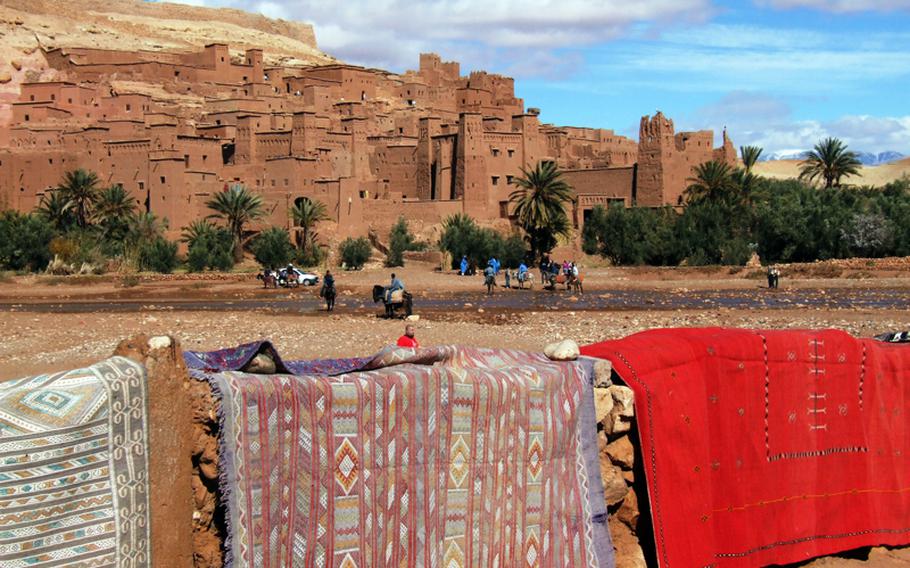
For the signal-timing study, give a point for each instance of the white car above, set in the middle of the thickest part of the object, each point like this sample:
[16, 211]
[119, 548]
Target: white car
[305, 278]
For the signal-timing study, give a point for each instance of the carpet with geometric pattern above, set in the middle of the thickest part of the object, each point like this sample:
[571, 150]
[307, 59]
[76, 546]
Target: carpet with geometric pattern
[447, 456]
[74, 468]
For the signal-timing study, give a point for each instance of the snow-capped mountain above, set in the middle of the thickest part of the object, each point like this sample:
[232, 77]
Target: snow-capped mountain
[867, 158]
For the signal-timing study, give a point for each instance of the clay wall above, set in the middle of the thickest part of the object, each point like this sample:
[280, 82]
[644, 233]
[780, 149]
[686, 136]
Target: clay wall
[601, 186]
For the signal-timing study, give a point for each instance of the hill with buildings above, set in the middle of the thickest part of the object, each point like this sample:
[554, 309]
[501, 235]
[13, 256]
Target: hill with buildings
[155, 99]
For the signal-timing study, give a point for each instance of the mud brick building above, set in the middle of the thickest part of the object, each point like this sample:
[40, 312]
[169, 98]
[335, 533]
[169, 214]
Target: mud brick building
[368, 143]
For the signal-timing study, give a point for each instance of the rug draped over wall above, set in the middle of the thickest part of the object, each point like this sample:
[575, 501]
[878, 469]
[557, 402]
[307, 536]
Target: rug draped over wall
[74, 468]
[765, 447]
[449, 457]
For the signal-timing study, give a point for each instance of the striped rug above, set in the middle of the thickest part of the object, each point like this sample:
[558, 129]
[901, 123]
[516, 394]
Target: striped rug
[74, 468]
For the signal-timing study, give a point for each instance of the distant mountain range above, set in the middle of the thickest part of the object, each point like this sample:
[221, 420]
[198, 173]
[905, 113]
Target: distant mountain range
[867, 158]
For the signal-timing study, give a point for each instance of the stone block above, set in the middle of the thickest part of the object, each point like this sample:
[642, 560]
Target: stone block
[566, 350]
[621, 452]
[603, 372]
[603, 404]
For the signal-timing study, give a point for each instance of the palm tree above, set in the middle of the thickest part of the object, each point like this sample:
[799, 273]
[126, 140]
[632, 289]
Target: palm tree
[146, 227]
[54, 208]
[306, 213]
[196, 230]
[712, 181]
[114, 204]
[80, 190]
[113, 211]
[236, 206]
[829, 161]
[750, 155]
[539, 203]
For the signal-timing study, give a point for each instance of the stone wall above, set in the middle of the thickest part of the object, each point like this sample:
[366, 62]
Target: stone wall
[624, 483]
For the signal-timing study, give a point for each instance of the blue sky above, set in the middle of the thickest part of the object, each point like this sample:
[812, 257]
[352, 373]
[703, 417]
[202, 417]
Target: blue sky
[778, 73]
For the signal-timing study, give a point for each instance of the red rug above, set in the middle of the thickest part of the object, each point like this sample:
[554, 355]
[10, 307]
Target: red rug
[768, 447]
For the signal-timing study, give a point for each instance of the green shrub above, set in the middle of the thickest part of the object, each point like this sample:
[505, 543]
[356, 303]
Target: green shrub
[159, 255]
[24, 241]
[272, 248]
[461, 236]
[400, 241]
[212, 249]
[355, 253]
[310, 255]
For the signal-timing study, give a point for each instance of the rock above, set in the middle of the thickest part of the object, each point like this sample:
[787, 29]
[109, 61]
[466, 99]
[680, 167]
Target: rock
[261, 364]
[628, 550]
[17, 65]
[628, 512]
[603, 373]
[621, 452]
[565, 350]
[603, 404]
[5, 77]
[623, 409]
[615, 488]
[159, 342]
[413, 317]
[754, 261]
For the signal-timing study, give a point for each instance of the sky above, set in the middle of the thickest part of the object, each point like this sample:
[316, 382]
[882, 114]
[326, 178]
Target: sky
[781, 74]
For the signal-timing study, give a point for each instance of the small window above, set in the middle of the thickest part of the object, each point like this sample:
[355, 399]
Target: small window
[495, 151]
[495, 180]
[186, 160]
[141, 185]
[31, 98]
[363, 194]
[511, 152]
[509, 180]
[204, 156]
[50, 160]
[176, 73]
[163, 179]
[285, 182]
[26, 118]
[244, 77]
[69, 101]
[222, 59]
[53, 97]
[401, 131]
[273, 183]
[128, 108]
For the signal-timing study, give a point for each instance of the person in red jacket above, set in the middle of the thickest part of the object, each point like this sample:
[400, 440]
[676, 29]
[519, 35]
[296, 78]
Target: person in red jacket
[408, 339]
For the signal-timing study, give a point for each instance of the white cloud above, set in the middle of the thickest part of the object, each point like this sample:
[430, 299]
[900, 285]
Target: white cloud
[841, 6]
[391, 33]
[767, 121]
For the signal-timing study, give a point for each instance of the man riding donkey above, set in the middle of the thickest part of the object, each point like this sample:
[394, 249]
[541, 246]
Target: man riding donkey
[328, 291]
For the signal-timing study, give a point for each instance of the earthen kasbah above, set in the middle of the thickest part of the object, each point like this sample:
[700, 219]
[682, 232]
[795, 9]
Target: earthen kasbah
[370, 144]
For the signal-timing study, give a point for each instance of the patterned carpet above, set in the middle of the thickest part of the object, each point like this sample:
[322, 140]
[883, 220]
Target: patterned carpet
[73, 468]
[774, 446]
[449, 457]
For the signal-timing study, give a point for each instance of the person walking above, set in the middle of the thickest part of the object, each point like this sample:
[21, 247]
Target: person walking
[464, 266]
[408, 339]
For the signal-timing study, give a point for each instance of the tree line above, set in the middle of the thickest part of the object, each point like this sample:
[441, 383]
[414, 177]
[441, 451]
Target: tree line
[730, 213]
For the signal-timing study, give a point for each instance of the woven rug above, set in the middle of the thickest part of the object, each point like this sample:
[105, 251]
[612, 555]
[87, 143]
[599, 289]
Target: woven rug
[73, 468]
[764, 447]
[444, 457]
